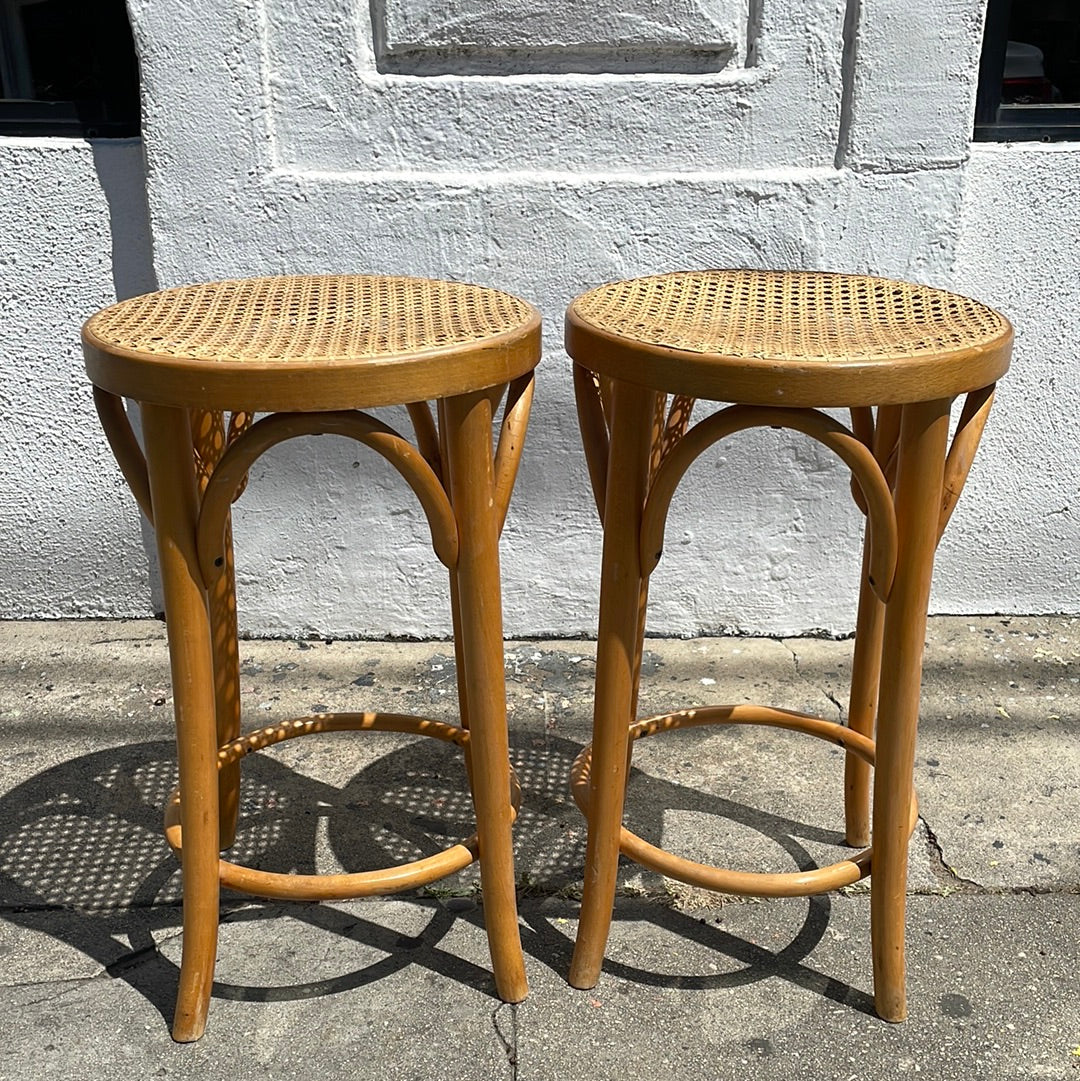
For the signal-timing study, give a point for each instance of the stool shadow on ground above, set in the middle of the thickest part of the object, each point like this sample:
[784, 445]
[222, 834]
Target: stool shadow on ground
[83, 860]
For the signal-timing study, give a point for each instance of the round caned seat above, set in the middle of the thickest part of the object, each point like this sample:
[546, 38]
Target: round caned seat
[789, 338]
[314, 342]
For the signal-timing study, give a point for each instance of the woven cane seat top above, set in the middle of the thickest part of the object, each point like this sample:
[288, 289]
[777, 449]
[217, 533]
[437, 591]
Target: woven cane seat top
[311, 342]
[795, 338]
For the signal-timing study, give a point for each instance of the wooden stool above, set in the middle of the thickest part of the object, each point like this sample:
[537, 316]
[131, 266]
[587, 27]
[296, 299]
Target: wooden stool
[312, 352]
[781, 346]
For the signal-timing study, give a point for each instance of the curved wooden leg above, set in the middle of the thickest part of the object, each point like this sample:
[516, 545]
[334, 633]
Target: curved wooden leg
[174, 498]
[862, 705]
[617, 653]
[210, 437]
[462, 682]
[883, 437]
[466, 424]
[226, 650]
[920, 472]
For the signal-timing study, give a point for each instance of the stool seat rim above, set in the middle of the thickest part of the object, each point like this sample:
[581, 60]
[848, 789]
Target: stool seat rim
[631, 330]
[413, 339]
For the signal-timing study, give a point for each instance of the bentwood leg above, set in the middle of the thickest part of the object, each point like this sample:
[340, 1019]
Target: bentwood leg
[866, 662]
[466, 423]
[616, 651]
[222, 601]
[862, 704]
[920, 472]
[173, 494]
[455, 599]
[210, 438]
[656, 442]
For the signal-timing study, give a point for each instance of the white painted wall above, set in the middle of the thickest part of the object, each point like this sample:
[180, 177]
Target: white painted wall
[73, 236]
[835, 137]
[1015, 545]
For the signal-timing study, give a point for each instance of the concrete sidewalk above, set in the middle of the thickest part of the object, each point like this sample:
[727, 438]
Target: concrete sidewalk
[696, 986]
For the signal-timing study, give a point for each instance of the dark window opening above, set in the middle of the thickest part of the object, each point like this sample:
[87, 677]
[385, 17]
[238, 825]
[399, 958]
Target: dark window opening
[1029, 77]
[67, 67]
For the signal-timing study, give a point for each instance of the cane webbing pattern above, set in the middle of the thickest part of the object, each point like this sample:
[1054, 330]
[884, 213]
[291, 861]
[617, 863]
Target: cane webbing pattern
[308, 319]
[797, 316]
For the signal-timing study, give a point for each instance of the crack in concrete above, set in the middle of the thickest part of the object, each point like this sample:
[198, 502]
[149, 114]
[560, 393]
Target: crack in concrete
[794, 656]
[956, 883]
[73, 985]
[509, 1043]
[942, 870]
[157, 638]
[835, 701]
[128, 961]
[90, 910]
[798, 671]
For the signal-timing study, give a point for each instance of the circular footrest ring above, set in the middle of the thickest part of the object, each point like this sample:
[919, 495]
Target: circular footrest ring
[741, 883]
[339, 887]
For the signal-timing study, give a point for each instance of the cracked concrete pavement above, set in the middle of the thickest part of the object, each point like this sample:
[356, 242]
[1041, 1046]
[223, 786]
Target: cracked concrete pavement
[695, 984]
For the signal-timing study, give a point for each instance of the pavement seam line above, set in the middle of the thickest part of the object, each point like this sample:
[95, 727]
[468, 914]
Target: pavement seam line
[18, 909]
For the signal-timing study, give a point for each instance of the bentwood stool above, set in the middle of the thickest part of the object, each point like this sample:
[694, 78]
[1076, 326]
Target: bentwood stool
[312, 352]
[780, 346]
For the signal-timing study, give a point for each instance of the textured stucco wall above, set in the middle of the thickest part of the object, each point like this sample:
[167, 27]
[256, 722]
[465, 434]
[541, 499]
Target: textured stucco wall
[836, 137]
[73, 234]
[289, 142]
[1015, 544]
